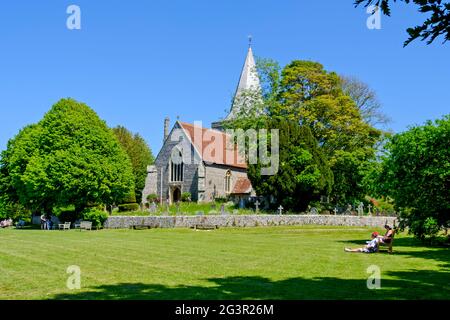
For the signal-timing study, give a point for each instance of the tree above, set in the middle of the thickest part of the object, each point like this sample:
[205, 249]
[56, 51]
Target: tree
[314, 97]
[365, 99]
[69, 158]
[303, 175]
[305, 93]
[140, 155]
[438, 24]
[416, 174]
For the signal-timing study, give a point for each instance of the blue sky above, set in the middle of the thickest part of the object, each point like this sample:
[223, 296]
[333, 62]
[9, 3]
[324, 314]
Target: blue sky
[135, 62]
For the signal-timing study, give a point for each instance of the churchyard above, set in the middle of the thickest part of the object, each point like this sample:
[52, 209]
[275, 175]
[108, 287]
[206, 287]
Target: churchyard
[287, 262]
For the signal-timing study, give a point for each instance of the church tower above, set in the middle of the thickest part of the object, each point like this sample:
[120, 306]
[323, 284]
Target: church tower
[248, 85]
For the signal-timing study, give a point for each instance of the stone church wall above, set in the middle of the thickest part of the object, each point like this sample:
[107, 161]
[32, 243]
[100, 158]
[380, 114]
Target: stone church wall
[215, 176]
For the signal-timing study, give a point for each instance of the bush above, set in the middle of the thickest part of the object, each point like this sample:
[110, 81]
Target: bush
[221, 199]
[67, 216]
[128, 207]
[96, 216]
[186, 196]
[14, 211]
[152, 198]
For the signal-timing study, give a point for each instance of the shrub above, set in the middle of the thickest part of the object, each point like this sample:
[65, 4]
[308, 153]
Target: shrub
[14, 211]
[128, 207]
[221, 199]
[96, 216]
[186, 196]
[67, 216]
[152, 198]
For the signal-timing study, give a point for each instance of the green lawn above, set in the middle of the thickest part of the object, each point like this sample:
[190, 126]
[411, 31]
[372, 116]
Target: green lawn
[229, 263]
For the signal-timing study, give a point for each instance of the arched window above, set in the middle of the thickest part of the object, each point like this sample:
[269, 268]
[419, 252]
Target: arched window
[228, 182]
[176, 166]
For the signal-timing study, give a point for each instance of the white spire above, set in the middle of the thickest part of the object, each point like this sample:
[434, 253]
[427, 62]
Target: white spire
[248, 82]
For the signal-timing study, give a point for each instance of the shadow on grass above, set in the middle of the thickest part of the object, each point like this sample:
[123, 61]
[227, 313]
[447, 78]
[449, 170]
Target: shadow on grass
[408, 285]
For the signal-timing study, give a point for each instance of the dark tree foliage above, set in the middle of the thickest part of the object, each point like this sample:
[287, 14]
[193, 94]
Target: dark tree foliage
[304, 174]
[140, 155]
[438, 24]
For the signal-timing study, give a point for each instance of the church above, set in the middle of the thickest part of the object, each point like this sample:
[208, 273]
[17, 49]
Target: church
[203, 161]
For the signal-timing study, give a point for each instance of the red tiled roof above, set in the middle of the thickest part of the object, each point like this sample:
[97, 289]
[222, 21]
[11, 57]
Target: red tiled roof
[212, 146]
[242, 186]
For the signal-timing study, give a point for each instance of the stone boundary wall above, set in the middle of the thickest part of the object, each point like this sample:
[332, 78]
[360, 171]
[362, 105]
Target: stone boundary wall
[121, 222]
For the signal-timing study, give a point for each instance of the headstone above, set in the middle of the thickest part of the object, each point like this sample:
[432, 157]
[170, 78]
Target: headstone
[369, 207]
[222, 209]
[257, 206]
[280, 210]
[361, 209]
[335, 211]
[167, 207]
[241, 204]
[348, 211]
[313, 211]
[153, 208]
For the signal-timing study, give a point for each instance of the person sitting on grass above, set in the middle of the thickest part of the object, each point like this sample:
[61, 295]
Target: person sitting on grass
[371, 247]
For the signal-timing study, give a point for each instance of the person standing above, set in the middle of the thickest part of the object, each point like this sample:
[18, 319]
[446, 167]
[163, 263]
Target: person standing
[43, 222]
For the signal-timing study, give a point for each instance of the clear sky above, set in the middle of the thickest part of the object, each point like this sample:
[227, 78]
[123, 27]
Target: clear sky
[135, 62]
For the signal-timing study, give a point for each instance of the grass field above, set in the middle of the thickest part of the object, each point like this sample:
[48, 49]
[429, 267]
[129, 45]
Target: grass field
[251, 263]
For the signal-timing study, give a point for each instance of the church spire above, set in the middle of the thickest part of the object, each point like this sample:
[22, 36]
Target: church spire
[248, 85]
[248, 81]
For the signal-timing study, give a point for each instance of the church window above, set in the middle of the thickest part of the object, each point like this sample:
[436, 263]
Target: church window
[177, 168]
[228, 182]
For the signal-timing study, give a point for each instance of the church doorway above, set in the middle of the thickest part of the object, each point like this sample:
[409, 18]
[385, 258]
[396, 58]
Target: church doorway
[176, 195]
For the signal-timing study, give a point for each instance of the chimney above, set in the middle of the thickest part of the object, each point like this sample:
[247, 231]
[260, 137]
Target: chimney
[166, 128]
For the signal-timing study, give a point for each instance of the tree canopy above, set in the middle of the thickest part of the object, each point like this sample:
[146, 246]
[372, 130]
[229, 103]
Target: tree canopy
[70, 157]
[416, 174]
[304, 174]
[139, 153]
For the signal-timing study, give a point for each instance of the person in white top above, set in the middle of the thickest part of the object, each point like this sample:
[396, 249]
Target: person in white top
[371, 247]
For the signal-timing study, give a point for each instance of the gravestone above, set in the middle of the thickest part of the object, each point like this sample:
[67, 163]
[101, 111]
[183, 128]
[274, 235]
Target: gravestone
[280, 210]
[335, 210]
[222, 209]
[313, 211]
[361, 209]
[257, 206]
[153, 208]
[370, 207]
[348, 211]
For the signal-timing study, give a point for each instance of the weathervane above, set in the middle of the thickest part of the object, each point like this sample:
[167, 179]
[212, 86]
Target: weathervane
[250, 38]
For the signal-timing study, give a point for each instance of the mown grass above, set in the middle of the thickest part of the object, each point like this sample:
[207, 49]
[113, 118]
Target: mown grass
[229, 263]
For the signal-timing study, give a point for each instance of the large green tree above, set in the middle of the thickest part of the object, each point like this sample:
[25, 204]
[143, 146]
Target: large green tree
[416, 174]
[70, 157]
[140, 155]
[314, 97]
[304, 92]
[303, 175]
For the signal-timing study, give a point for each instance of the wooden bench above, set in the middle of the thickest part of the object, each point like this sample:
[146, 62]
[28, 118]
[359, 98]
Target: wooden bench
[86, 225]
[206, 227]
[64, 226]
[388, 245]
[140, 226]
